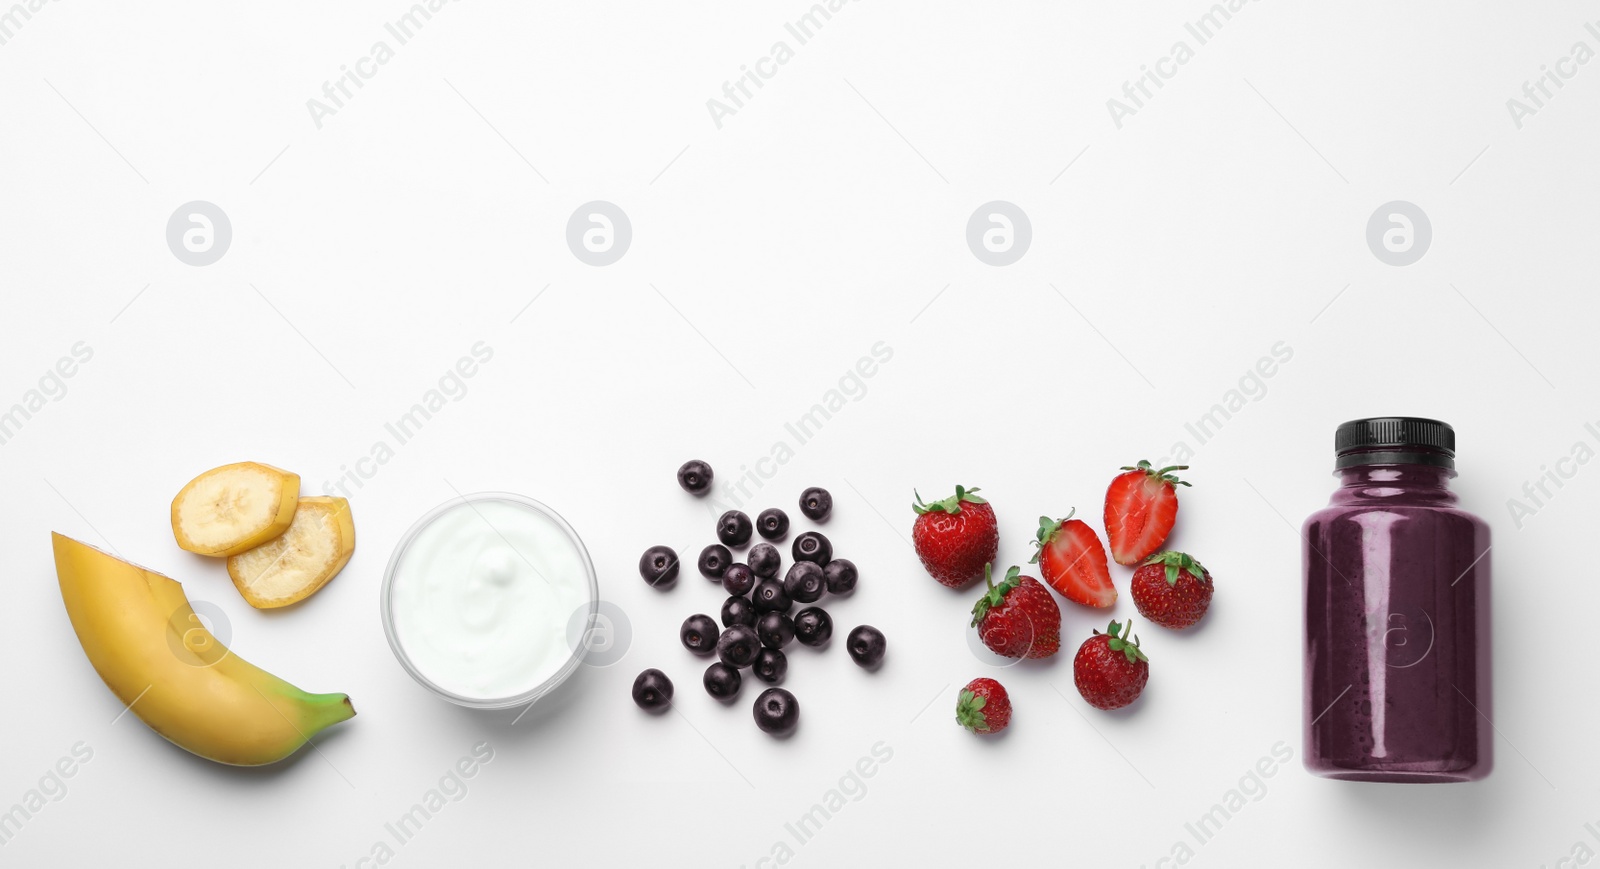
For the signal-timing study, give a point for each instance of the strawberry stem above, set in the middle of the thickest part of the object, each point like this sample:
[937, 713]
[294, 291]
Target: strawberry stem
[969, 712]
[948, 505]
[1179, 561]
[1165, 475]
[1121, 644]
[1048, 529]
[996, 594]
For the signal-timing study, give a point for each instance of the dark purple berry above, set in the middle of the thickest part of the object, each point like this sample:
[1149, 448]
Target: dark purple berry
[659, 565]
[812, 546]
[867, 645]
[738, 579]
[765, 560]
[816, 503]
[770, 667]
[699, 634]
[813, 626]
[804, 582]
[652, 691]
[772, 524]
[777, 712]
[738, 610]
[770, 597]
[738, 646]
[714, 559]
[722, 681]
[775, 629]
[733, 528]
[840, 575]
[695, 477]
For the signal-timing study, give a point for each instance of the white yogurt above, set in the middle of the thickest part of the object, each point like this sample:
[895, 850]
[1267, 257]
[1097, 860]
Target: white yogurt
[481, 596]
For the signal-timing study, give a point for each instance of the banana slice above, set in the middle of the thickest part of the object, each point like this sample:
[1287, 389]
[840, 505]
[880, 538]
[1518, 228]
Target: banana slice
[292, 567]
[234, 508]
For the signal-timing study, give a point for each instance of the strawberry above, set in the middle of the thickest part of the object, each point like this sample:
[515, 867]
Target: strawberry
[1017, 618]
[1110, 671]
[955, 537]
[1141, 506]
[1171, 589]
[1072, 560]
[983, 707]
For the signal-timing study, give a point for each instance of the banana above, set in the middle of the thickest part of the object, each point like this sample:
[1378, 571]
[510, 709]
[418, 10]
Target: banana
[234, 508]
[295, 565]
[153, 652]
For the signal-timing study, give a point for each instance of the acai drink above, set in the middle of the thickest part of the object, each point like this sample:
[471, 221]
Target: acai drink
[1397, 667]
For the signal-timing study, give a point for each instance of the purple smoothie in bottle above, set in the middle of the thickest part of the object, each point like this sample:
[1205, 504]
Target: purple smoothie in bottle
[1397, 667]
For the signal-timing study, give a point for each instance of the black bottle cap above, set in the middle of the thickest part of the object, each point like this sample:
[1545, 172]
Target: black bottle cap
[1394, 440]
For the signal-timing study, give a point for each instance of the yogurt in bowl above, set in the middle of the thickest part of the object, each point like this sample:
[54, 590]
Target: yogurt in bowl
[480, 598]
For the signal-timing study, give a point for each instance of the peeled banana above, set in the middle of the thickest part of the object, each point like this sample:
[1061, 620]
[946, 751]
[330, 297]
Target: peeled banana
[294, 566]
[153, 652]
[234, 508]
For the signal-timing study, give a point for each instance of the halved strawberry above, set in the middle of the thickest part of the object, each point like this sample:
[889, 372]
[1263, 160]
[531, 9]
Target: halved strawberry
[1141, 506]
[1073, 562]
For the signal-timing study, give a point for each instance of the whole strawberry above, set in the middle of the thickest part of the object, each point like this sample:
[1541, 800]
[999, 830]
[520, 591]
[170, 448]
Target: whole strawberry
[983, 707]
[1073, 562]
[1141, 507]
[1017, 618]
[1110, 671]
[1172, 590]
[955, 537]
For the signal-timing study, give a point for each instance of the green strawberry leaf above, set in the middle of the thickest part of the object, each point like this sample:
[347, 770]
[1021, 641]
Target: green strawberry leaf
[995, 595]
[1179, 562]
[1165, 475]
[1048, 529]
[1120, 643]
[951, 504]
[969, 711]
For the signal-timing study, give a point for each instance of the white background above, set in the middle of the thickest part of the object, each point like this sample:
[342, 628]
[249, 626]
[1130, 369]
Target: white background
[1227, 215]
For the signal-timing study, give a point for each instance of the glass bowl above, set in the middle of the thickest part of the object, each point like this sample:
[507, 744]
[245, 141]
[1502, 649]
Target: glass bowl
[386, 602]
